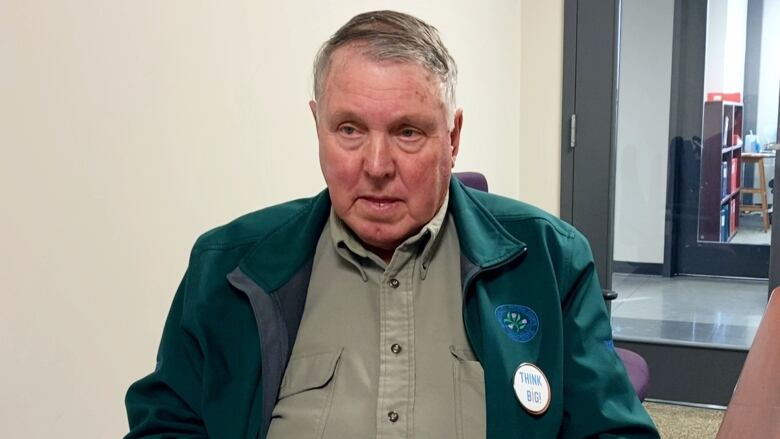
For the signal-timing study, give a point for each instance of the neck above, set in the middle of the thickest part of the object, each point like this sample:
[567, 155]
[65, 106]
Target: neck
[385, 254]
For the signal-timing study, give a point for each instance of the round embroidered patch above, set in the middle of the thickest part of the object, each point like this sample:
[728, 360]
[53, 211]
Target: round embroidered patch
[519, 322]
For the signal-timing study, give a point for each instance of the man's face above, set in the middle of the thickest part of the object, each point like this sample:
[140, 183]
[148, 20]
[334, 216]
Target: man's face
[386, 151]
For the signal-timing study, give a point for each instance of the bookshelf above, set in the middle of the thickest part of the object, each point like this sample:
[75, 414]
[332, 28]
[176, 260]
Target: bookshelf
[720, 171]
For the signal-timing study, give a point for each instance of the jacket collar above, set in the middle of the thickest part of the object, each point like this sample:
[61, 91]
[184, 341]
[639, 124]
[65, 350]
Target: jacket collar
[278, 256]
[483, 240]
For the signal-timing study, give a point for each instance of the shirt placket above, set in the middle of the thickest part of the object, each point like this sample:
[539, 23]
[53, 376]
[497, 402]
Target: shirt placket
[396, 366]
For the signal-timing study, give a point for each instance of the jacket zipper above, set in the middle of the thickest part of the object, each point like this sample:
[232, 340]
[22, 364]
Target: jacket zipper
[467, 283]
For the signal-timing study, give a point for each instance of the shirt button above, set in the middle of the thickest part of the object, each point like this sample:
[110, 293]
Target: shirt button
[392, 416]
[396, 348]
[394, 283]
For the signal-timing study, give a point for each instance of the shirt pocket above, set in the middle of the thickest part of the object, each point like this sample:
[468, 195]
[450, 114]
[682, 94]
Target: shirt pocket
[305, 396]
[469, 381]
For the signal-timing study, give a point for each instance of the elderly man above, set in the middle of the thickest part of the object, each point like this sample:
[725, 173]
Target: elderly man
[397, 303]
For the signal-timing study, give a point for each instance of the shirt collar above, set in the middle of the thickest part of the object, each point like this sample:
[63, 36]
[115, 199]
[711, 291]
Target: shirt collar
[349, 246]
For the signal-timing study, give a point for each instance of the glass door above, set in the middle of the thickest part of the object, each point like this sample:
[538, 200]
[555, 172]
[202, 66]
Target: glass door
[706, 193]
[671, 177]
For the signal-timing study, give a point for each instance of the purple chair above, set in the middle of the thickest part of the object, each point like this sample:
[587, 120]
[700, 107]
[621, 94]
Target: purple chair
[635, 365]
[473, 180]
[637, 369]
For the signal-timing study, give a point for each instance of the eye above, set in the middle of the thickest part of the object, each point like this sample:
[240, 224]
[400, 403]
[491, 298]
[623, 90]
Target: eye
[409, 134]
[348, 130]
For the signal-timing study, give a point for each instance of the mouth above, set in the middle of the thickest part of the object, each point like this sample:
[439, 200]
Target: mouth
[379, 203]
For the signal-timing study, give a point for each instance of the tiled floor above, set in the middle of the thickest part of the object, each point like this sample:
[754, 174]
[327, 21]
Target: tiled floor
[700, 310]
[751, 230]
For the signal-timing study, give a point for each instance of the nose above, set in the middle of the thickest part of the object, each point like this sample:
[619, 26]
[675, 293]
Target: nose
[378, 162]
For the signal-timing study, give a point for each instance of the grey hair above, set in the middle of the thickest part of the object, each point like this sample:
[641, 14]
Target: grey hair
[393, 36]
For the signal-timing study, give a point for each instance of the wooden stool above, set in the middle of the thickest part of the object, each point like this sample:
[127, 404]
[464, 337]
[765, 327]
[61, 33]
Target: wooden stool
[757, 159]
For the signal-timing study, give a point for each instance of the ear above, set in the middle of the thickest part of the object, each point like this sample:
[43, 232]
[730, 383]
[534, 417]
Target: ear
[313, 108]
[455, 134]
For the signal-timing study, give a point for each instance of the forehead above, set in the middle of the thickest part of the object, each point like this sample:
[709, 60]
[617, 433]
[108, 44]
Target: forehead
[355, 76]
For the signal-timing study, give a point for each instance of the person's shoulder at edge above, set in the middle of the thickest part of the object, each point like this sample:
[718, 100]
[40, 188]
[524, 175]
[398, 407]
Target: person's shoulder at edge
[254, 226]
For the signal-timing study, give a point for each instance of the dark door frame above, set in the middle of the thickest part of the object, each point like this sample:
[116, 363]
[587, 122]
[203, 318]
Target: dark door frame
[587, 175]
[708, 374]
[587, 191]
[774, 258]
[687, 254]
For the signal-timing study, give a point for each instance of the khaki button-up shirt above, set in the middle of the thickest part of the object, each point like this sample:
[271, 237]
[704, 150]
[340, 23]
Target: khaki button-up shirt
[382, 350]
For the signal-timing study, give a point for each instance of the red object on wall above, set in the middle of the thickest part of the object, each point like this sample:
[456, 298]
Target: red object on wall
[730, 97]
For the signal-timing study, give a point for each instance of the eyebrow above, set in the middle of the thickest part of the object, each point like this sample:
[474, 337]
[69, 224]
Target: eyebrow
[417, 120]
[344, 115]
[423, 122]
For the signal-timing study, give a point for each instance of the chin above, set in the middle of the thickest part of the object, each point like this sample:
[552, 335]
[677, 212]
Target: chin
[377, 236]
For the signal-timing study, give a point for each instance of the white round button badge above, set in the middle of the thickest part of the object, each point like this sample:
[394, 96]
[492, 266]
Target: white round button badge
[532, 388]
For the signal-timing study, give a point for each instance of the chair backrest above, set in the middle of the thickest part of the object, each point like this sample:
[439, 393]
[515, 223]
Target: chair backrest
[473, 180]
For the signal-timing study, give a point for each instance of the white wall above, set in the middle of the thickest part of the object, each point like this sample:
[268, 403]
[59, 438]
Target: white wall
[734, 48]
[769, 75]
[714, 46]
[128, 128]
[724, 69]
[643, 130]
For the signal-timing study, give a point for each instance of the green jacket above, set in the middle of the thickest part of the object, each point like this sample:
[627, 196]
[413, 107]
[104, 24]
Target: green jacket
[234, 318]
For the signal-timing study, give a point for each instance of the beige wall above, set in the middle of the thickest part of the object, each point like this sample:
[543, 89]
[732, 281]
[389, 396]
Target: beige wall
[541, 79]
[128, 128]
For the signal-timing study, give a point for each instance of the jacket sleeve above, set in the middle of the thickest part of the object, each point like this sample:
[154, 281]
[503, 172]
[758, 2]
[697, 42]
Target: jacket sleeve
[599, 398]
[165, 404]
